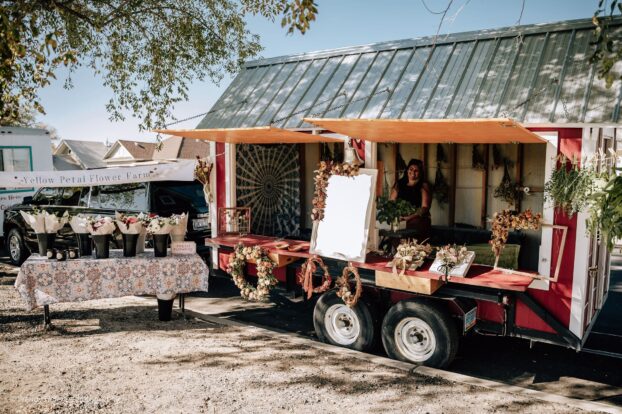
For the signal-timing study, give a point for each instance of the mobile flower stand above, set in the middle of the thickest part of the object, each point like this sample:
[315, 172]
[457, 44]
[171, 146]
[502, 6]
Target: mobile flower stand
[42, 282]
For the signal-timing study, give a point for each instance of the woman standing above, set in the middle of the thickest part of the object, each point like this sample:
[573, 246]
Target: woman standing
[413, 188]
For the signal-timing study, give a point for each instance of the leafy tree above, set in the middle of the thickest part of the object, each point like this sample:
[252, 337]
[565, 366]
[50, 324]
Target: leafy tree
[608, 45]
[146, 51]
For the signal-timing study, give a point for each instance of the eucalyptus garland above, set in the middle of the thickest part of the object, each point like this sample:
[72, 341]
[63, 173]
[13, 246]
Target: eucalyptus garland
[322, 174]
[265, 278]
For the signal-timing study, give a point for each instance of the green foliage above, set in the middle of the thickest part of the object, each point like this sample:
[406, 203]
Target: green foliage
[570, 188]
[605, 213]
[390, 211]
[146, 51]
[608, 47]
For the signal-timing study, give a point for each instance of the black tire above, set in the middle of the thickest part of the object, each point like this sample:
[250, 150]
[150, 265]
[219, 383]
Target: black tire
[15, 246]
[335, 323]
[433, 336]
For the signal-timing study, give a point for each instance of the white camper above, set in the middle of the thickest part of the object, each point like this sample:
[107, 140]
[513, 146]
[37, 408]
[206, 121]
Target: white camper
[22, 149]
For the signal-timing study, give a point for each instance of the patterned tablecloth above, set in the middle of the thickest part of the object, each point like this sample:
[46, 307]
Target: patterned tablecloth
[43, 282]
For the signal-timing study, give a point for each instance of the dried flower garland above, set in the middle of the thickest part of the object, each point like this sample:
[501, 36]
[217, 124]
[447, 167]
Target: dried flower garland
[343, 283]
[322, 174]
[478, 161]
[305, 276]
[265, 277]
[450, 257]
[410, 255]
[202, 171]
[506, 220]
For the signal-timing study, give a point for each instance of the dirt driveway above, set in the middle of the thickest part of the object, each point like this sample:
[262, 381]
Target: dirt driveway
[115, 356]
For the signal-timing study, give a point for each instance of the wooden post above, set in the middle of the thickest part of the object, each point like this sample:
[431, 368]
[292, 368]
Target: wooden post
[519, 171]
[452, 194]
[484, 210]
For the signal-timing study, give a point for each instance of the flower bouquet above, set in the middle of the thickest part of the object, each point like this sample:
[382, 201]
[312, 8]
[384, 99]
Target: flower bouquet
[159, 228]
[101, 227]
[178, 230]
[131, 228]
[45, 226]
[410, 255]
[79, 225]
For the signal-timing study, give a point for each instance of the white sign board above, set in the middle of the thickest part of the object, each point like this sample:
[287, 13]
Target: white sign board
[182, 170]
[344, 231]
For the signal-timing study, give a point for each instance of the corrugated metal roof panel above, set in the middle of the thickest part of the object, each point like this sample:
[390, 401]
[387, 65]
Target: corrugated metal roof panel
[534, 74]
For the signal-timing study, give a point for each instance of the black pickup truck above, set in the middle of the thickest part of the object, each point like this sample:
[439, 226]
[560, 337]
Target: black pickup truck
[160, 197]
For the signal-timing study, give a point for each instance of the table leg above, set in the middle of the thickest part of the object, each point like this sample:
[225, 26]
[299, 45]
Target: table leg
[182, 303]
[46, 316]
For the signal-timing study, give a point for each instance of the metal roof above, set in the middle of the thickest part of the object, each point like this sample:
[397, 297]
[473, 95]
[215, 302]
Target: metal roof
[535, 74]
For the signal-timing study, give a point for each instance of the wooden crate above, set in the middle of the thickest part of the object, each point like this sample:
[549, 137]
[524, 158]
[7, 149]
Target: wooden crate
[407, 283]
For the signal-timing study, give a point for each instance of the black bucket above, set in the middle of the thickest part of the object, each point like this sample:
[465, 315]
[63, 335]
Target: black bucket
[129, 244]
[46, 241]
[84, 244]
[160, 244]
[165, 309]
[102, 246]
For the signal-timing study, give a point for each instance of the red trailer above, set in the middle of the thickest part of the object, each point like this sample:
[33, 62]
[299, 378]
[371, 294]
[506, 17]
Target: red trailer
[418, 315]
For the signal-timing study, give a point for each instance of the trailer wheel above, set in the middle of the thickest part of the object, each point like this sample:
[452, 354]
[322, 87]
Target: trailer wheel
[338, 324]
[421, 333]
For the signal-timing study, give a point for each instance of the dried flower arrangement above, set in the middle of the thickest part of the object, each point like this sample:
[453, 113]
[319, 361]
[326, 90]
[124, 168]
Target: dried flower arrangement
[450, 257]
[410, 255]
[504, 221]
[322, 174]
[202, 172]
[507, 190]
[343, 284]
[305, 276]
[265, 278]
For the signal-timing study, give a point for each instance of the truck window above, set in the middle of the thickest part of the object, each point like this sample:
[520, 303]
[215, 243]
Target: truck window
[15, 159]
[72, 196]
[120, 197]
[47, 196]
[179, 196]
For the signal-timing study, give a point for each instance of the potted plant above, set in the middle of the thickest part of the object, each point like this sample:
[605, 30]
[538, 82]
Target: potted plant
[101, 227]
[391, 211]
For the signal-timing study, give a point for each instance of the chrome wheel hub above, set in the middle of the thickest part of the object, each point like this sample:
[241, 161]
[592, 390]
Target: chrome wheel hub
[342, 324]
[14, 247]
[415, 339]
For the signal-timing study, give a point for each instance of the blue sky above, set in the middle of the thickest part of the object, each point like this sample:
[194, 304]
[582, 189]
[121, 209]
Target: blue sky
[80, 113]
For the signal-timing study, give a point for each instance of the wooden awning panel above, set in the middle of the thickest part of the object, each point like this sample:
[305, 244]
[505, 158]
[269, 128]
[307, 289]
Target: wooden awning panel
[256, 135]
[432, 131]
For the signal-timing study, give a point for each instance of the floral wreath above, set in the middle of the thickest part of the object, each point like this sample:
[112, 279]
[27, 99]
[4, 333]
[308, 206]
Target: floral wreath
[343, 283]
[265, 277]
[305, 276]
[506, 220]
[322, 174]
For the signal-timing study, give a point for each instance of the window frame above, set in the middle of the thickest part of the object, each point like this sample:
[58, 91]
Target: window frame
[18, 190]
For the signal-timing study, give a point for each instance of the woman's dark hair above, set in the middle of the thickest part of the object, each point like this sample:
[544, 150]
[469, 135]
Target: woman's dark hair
[404, 180]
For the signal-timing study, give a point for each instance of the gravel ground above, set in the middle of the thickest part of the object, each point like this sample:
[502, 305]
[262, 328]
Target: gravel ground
[115, 356]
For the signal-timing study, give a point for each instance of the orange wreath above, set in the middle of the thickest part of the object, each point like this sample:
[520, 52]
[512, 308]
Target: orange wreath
[344, 286]
[305, 276]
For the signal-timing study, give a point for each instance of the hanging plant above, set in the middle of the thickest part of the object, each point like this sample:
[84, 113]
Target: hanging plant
[497, 157]
[570, 186]
[322, 174]
[478, 161]
[606, 211]
[400, 164]
[440, 153]
[441, 187]
[507, 190]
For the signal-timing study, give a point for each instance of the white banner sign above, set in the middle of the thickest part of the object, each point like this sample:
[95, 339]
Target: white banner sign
[178, 171]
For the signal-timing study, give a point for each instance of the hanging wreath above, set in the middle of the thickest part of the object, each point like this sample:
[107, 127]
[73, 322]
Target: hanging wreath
[343, 283]
[305, 276]
[265, 277]
[202, 171]
[322, 174]
[504, 221]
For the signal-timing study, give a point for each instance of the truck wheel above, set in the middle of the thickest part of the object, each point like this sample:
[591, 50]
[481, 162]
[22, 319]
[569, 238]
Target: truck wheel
[421, 333]
[16, 247]
[338, 324]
